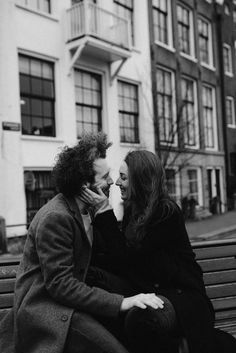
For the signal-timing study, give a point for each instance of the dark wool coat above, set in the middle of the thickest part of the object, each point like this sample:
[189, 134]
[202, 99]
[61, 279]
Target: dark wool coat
[50, 282]
[165, 264]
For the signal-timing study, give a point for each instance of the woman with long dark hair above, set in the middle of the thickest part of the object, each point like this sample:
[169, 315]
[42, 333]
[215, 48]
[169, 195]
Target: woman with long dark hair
[152, 253]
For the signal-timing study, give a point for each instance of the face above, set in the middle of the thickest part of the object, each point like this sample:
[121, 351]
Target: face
[102, 176]
[123, 180]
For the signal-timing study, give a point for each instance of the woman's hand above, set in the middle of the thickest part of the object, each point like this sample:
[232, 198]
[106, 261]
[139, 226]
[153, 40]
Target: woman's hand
[142, 301]
[98, 201]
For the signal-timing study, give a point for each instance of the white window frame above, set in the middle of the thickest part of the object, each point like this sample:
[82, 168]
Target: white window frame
[210, 45]
[230, 72]
[199, 183]
[192, 54]
[170, 44]
[231, 99]
[214, 126]
[177, 183]
[195, 112]
[25, 5]
[174, 112]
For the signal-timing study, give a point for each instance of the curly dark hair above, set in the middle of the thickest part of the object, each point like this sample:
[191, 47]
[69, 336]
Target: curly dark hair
[74, 165]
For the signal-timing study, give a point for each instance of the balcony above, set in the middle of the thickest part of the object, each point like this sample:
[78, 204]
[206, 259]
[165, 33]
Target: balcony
[95, 32]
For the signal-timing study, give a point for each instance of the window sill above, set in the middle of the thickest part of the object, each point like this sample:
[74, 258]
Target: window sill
[209, 67]
[229, 74]
[40, 13]
[130, 144]
[189, 57]
[41, 138]
[231, 126]
[165, 46]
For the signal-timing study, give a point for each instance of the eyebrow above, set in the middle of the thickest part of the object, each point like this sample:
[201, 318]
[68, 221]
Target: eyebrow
[106, 175]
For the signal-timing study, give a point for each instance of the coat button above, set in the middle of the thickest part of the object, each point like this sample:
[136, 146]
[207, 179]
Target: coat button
[179, 291]
[64, 317]
[156, 285]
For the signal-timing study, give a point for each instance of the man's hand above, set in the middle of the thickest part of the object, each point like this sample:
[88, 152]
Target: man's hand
[142, 301]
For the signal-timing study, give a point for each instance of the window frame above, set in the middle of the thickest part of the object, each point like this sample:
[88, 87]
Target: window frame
[174, 141]
[195, 110]
[209, 42]
[177, 194]
[229, 60]
[116, 4]
[199, 183]
[99, 108]
[136, 115]
[39, 97]
[191, 42]
[214, 117]
[24, 3]
[231, 99]
[169, 28]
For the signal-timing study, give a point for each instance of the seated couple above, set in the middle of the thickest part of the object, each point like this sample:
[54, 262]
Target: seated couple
[85, 286]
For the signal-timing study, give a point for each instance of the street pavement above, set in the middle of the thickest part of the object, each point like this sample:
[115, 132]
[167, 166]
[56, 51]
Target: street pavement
[213, 228]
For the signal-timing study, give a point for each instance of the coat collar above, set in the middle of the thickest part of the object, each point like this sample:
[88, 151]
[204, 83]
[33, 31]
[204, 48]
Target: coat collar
[76, 213]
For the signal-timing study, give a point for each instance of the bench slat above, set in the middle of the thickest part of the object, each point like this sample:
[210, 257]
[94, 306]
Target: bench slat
[7, 285]
[219, 277]
[8, 271]
[218, 264]
[217, 251]
[221, 290]
[226, 315]
[223, 303]
[6, 300]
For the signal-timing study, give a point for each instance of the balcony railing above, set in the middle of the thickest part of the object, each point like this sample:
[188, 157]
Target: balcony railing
[89, 19]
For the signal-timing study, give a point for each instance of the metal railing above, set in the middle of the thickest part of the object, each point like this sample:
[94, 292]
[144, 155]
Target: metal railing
[89, 19]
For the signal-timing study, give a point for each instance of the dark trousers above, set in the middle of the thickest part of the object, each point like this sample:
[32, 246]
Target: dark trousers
[139, 330]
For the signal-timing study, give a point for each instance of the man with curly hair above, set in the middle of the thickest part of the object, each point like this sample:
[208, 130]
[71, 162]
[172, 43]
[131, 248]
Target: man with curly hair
[55, 310]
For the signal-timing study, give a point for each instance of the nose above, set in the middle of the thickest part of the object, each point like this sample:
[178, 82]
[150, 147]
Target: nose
[110, 181]
[118, 183]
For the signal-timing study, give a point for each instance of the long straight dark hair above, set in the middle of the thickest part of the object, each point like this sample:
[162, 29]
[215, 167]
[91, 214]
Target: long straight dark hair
[148, 200]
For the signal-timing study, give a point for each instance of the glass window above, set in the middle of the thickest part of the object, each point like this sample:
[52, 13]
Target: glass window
[227, 59]
[184, 30]
[209, 118]
[125, 9]
[39, 190]
[192, 175]
[230, 113]
[38, 5]
[171, 180]
[37, 95]
[88, 100]
[205, 41]
[161, 21]
[189, 112]
[165, 91]
[128, 112]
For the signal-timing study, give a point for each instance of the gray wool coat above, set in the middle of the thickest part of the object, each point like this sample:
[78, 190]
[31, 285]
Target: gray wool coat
[50, 281]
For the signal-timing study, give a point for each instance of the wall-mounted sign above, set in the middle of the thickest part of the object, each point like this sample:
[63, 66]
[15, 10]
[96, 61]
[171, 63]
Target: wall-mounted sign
[9, 125]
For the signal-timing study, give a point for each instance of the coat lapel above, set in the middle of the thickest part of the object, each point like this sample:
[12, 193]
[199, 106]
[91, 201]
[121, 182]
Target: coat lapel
[77, 215]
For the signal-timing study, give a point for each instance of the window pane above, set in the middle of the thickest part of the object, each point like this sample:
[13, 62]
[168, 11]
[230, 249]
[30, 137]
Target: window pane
[36, 86]
[24, 84]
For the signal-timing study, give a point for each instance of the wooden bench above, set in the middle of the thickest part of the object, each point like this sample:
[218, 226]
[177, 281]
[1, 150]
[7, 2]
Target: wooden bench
[216, 258]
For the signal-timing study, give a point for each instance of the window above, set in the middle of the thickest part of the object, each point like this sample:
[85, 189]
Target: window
[172, 183]
[125, 9]
[38, 5]
[185, 30]
[88, 98]
[128, 112]
[234, 15]
[39, 190]
[37, 96]
[205, 41]
[162, 21]
[227, 59]
[165, 109]
[193, 185]
[230, 113]
[209, 117]
[189, 113]
[233, 163]
[227, 10]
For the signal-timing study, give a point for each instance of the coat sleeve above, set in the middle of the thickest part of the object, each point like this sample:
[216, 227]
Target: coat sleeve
[54, 244]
